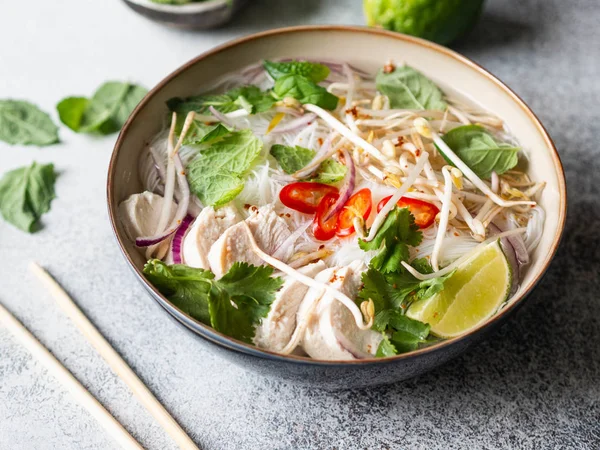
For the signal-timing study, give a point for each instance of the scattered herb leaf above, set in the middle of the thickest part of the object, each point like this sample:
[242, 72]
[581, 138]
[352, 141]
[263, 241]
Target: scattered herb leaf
[22, 123]
[105, 113]
[26, 194]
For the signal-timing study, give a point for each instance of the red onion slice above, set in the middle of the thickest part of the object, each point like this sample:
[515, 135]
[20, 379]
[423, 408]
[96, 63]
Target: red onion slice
[294, 124]
[178, 239]
[347, 188]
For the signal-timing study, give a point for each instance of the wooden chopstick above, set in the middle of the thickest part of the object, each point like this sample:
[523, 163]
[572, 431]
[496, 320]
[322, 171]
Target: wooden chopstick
[87, 400]
[114, 360]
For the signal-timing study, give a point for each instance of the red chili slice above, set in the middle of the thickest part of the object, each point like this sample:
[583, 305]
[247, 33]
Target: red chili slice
[359, 205]
[424, 212]
[323, 231]
[305, 196]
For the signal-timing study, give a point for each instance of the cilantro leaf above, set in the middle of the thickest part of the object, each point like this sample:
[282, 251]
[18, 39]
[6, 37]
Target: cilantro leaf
[292, 159]
[188, 288]
[243, 296]
[26, 194]
[397, 232]
[232, 305]
[305, 91]
[315, 72]
[250, 98]
[216, 174]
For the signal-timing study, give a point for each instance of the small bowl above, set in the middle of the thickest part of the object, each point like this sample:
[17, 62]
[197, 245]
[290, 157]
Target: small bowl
[197, 16]
[367, 49]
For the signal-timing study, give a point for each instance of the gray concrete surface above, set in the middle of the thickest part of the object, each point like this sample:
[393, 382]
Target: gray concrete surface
[534, 385]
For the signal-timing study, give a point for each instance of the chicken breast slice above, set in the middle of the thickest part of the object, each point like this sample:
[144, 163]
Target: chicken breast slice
[139, 214]
[204, 232]
[269, 231]
[332, 333]
[277, 328]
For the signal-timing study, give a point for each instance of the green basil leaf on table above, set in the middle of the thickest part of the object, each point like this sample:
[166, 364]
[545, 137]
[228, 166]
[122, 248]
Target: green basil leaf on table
[26, 194]
[22, 123]
[105, 113]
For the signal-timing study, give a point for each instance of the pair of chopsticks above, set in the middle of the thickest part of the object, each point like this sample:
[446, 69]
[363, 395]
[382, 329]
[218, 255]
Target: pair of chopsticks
[118, 365]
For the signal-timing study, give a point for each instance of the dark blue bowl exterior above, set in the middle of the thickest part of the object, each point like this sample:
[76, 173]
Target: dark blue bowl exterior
[327, 375]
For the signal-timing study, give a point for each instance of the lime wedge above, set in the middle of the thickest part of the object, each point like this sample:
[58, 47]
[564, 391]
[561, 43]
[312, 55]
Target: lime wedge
[470, 296]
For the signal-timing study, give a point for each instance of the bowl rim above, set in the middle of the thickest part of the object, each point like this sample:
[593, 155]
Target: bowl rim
[230, 343]
[188, 8]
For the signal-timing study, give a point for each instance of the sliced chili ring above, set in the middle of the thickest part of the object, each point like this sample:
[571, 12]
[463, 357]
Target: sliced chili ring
[424, 212]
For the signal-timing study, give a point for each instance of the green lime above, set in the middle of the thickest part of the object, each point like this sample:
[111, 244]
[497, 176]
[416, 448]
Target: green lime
[441, 21]
[470, 296]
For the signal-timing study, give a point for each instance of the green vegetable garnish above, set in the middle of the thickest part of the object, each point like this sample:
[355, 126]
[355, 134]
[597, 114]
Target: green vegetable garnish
[397, 232]
[292, 159]
[232, 305]
[250, 98]
[305, 91]
[441, 21]
[478, 149]
[315, 72]
[26, 194]
[409, 89]
[216, 174]
[22, 123]
[105, 113]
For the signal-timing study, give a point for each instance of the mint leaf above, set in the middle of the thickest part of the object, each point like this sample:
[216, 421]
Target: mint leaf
[305, 91]
[315, 72]
[250, 98]
[22, 123]
[200, 133]
[186, 287]
[105, 113]
[233, 305]
[216, 174]
[477, 148]
[397, 232]
[26, 194]
[408, 88]
[292, 159]
[329, 172]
